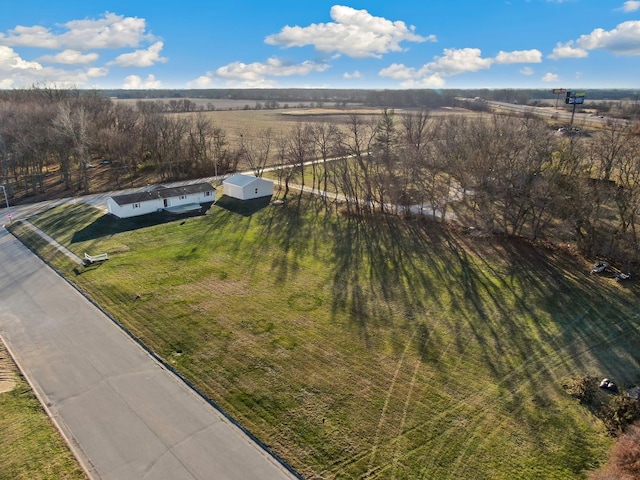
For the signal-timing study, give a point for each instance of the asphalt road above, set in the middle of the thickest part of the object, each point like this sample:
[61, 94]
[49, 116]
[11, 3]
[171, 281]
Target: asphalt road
[124, 415]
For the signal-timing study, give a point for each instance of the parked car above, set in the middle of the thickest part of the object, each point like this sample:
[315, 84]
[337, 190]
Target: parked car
[621, 276]
[600, 267]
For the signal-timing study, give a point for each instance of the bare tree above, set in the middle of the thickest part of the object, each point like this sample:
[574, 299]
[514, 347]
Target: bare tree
[627, 193]
[200, 145]
[606, 147]
[327, 141]
[421, 171]
[356, 180]
[298, 150]
[285, 170]
[71, 123]
[384, 153]
[258, 152]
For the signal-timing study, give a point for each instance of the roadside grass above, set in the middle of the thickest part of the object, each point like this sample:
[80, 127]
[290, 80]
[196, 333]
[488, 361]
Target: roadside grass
[30, 446]
[368, 348]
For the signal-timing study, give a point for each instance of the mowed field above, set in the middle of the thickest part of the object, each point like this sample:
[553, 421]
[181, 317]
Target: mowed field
[368, 348]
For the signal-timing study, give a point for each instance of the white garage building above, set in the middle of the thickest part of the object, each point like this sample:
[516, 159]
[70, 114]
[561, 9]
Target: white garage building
[247, 187]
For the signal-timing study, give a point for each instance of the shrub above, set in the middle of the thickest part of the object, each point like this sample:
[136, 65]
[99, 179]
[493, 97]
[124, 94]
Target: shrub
[624, 458]
[626, 452]
[620, 412]
[584, 389]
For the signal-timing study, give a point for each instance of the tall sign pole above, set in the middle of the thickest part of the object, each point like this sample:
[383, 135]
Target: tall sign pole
[574, 98]
[558, 92]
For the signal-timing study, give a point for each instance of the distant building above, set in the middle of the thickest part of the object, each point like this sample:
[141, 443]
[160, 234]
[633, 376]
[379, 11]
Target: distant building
[171, 199]
[247, 187]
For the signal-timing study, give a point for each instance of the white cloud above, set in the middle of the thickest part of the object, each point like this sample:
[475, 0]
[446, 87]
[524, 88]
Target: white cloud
[70, 57]
[355, 33]
[568, 50]
[30, 73]
[141, 58]
[11, 61]
[527, 71]
[203, 81]
[35, 36]
[624, 39]
[110, 31]
[550, 77]
[631, 6]
[96, 72]
[73, 41]
[398, 71]
[355, 74]
[412, 78]
[519, 56]
[429, 81]
[256, 74]
[273, 67]
[136, 82]
[455, 62]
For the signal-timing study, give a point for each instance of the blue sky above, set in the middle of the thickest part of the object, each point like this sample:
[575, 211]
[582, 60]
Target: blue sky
[321, 44]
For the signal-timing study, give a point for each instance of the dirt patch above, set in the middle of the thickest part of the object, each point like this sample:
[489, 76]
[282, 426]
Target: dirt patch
[7, 370]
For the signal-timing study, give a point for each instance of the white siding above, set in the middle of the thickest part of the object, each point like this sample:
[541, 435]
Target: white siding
[155, 204]
[134, 209]
[246, 187]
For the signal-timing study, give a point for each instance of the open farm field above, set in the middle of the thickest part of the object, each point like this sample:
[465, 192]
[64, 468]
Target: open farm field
[30, 446]
[251, 124]
[368, 347]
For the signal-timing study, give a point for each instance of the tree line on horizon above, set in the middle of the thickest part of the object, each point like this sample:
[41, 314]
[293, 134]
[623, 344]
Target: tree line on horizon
[515, 175]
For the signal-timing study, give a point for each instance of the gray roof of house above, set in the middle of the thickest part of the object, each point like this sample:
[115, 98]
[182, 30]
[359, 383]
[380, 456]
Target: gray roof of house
[160, 191]
[242, 180]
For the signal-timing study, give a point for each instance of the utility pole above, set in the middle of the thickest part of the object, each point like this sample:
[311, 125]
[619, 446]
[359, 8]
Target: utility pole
[6, 200]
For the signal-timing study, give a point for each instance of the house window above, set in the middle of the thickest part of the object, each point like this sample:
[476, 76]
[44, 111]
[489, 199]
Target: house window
[136, 205]
[182, 197]
[207, 194]
[256, 191]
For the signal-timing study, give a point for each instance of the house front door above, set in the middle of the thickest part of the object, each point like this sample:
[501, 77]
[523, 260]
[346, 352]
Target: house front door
[167, 202]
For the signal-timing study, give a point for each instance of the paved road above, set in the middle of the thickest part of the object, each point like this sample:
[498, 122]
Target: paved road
[125, 416]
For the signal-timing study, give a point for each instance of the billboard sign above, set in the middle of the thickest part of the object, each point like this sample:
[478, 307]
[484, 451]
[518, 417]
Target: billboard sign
[559, 90]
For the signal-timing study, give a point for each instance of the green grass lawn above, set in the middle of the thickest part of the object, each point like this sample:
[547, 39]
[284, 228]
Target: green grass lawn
[368, 348]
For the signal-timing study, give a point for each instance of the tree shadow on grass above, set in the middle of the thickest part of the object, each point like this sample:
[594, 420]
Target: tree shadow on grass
[293, 227]
[518, 304]
[382, 263]
[496, 287]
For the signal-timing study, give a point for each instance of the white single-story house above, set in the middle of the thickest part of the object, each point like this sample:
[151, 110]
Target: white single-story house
[247, 187]
[171, 199]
